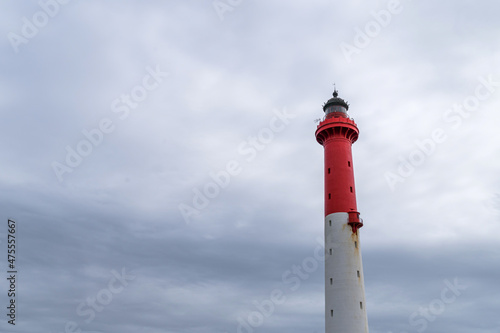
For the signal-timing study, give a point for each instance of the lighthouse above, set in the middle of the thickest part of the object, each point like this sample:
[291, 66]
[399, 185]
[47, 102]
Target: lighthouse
[345, 306]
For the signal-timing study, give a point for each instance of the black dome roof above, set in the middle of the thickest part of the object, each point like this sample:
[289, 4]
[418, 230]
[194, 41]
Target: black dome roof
[336, 101]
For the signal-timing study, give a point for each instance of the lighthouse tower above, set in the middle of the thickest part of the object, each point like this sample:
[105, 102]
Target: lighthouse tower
[345, 306]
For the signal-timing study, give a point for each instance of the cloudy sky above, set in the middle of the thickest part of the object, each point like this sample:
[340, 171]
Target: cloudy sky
[159, 161]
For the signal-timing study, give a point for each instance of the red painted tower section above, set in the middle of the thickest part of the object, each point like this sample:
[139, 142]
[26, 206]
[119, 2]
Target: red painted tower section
[336, 133]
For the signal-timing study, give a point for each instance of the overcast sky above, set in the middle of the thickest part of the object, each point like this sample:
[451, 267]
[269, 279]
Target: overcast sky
[159, 160]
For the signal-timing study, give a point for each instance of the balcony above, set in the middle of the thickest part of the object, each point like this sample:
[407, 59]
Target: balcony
[355, 221]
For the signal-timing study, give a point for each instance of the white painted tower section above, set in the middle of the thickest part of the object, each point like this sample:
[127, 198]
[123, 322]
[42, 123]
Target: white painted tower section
[345, 308]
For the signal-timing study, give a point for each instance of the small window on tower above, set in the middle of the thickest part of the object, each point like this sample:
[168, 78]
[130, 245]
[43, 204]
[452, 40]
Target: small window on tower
[331, 281]
[351, 189]
[348, 163]
[329, 195]
[360, 305]
[330, 251]
[330, 222]
[358, 273]
[331, 313]
[355, 244]
[328, 170]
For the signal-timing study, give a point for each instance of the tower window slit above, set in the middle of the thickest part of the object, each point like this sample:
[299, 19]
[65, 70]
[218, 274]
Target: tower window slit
[348, 163]
[328, 170]
[331, 281]
[351, 189]
[358, 273]
[355, 244]
[330, 222]
[329, 195]
[330, 251]
[360, 305]
[331, 313]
